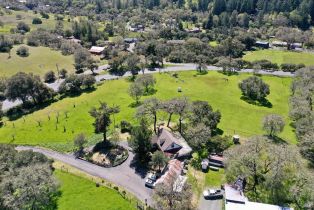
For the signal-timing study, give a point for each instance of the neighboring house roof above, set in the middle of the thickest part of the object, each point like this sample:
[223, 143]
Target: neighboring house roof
[175, 168]
[179, 183]
[234, 195]
[280, 43]
[95, 49]
[73, 39]
[235, 200]
[262, 42]
[253, 205]
[175, 41]
[216, 158]
[169, 142]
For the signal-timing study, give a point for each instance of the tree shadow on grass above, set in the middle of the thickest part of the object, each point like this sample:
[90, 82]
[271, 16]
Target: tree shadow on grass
[77, 94]
[198, 73]
[19, 111]
[150, 91]
[218, 131]
[29, 107]
[229, 73]
[135, 104]
[141, 169]
[263, 102]
[276, 139]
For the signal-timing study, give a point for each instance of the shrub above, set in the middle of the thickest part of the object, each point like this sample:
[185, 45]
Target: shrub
[63, 73]
[67, 48]
[22, 51]
[44, 15]
[288, 67]
[266, 64]
[6, 44]
[37, 20]
[254, 88]
[49, 77]
[23, 27]
[125, 126]
[88, 81]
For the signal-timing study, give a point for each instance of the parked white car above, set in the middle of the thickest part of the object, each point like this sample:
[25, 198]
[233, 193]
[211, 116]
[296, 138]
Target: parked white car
[212, 194]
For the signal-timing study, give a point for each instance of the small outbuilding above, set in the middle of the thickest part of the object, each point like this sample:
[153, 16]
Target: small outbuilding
[96, 50]
[262, 44]
[130, 40]
[236, 139]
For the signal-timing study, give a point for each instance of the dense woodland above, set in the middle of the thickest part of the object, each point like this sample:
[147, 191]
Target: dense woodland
[255, 13]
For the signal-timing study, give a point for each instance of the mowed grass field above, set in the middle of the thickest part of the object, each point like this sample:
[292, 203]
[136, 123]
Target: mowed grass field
[11, 21]
[281, 56]
[237, 115]
[80, 193]
[40, 60]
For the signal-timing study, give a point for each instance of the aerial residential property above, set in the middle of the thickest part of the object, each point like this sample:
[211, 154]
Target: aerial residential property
[156, 105]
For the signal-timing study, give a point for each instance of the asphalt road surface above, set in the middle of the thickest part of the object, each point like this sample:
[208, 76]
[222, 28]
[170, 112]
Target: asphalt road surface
[122, 175]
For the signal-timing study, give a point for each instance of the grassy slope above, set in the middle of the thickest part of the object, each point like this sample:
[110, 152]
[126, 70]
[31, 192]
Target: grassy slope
[40, 60]
[10, 21]
[79, 193]
[237, 116]
[279, 57]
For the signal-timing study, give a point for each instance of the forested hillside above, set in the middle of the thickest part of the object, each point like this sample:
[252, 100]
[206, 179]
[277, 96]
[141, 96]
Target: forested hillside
[225, 12]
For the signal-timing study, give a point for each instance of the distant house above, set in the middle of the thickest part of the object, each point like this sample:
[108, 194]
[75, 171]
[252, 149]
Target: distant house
[194, 30]
[262, 44]
[96, 50]
[176, 42]
[296, 46]
[73, 39]
[136, 27]
[235, 199]
[279, 44]
[171, 144]
[216, 161]
[130, 40]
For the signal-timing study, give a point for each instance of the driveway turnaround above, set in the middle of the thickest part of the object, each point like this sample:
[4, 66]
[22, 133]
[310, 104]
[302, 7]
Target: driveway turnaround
[210, 204]
[122, 175]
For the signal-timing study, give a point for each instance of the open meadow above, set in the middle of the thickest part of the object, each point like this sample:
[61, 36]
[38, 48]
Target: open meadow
[11, 21]
[238, 116]
[39, 61]
[281, 56]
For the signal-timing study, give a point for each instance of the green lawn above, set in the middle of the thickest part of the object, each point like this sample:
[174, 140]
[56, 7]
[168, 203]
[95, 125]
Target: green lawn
[237, 115]
[214, 178]
[10, 21]
[213, 43]
[40, 60]
[80, 193]
[280, 56]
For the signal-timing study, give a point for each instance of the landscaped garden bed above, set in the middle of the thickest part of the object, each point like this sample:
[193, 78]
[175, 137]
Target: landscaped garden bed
[105, 154]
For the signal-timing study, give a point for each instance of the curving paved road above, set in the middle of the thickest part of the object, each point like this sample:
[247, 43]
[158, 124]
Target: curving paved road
[122, 175]
[174, 67]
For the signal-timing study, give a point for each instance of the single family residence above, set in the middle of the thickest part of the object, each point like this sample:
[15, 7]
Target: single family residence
[171, 144]
[235, 199]
[96, 50]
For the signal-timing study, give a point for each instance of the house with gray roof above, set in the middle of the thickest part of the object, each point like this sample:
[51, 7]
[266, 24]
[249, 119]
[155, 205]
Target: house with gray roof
[171, 144]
